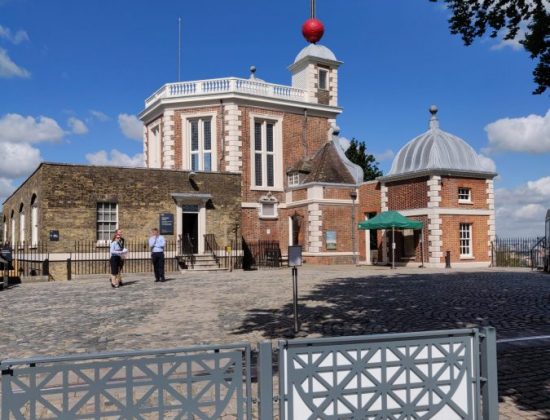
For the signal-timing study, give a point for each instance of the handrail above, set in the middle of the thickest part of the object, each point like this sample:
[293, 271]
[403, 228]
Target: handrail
[187, 248]
[540, 243]
[212, 245]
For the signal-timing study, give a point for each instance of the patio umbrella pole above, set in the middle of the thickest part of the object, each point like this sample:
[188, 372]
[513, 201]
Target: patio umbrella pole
[392, 247]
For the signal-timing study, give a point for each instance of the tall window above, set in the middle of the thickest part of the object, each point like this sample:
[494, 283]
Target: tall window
[12, 228]
[154, 147]
[465, 240]
[107, 221]
[464, 194]
[200, 146]
[264, 174]
[323, 78]
[34, 222]
[21, 224]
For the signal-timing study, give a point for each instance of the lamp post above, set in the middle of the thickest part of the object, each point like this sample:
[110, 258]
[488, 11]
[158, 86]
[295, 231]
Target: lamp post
[353, 196]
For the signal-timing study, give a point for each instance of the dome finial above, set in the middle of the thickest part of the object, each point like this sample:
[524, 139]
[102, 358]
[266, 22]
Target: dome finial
[434, 123]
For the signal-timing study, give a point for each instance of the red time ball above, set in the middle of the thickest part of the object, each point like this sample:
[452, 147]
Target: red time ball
[313, 30]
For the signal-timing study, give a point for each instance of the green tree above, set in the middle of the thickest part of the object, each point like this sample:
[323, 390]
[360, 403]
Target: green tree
[471, 19]
[357, 153]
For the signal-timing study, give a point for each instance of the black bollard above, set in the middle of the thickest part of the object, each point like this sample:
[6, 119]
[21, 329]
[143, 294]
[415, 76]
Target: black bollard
[448, 259]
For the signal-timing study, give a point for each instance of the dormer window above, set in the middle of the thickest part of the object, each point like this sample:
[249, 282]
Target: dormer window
[464, 195]
[323, 79]
[293, 179]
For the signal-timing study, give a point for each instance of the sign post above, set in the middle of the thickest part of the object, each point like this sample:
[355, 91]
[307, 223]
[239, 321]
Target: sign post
[294, 261]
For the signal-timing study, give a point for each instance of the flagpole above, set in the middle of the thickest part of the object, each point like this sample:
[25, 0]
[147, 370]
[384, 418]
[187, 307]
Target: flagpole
[179, 49]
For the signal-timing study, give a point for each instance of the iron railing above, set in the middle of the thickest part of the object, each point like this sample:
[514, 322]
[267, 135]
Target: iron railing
[513, 252]
[29, 260]
[211, 245]
[261, 254]
[90, 258]
[538, 252]
[185, 251]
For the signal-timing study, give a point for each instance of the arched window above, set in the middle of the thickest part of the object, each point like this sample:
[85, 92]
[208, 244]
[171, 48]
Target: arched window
[12, 228]
[4, 230]
[34, 221]
[21, 224]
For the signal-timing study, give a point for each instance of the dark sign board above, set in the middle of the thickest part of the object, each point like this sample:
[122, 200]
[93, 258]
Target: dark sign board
[166, 224]
[54, 235]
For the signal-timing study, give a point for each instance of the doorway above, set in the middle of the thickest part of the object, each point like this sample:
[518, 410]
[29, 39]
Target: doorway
[190, 229]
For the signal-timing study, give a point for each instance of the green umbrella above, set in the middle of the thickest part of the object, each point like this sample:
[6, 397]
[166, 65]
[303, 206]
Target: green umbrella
[387, 220]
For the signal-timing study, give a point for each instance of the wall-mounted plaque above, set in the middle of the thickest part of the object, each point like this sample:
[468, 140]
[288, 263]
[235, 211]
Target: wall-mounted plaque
[166, 224]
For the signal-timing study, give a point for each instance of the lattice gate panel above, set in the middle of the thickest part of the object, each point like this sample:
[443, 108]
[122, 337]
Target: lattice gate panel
[204, 385]
[397, 378]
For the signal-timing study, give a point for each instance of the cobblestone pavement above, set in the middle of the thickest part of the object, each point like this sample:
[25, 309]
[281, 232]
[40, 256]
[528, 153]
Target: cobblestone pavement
[87, 315]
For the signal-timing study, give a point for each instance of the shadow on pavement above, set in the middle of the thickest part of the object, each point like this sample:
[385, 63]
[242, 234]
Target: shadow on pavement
[516, 304]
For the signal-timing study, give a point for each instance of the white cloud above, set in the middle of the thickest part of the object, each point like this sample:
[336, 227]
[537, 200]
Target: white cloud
[386, 155]
[9, 69]
[17, 128]
[77, 126]
[521, 211]
[15, 38]
[511, 43]
[131, 126]
[525, 134]
[6, 188]
[487, 164]
[116, 158]
[18, 159]
[100, 116]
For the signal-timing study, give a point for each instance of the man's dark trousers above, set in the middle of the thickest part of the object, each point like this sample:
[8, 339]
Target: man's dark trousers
[158, 265]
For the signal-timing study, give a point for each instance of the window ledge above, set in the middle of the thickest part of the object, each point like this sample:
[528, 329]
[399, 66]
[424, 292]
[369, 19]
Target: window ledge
[274, 189]
[269, 217]
[467, 257]
[465, 202]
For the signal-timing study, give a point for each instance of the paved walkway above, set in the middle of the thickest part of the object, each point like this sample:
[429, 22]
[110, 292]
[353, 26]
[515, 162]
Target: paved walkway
[87, 315]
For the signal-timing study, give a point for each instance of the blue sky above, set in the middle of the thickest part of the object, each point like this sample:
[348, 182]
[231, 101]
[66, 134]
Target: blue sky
[74, 74]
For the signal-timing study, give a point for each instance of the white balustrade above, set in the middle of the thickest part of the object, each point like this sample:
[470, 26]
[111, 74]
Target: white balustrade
[227, 85]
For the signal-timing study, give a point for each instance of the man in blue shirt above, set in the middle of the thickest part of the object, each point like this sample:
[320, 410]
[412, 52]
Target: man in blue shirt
[157, 244]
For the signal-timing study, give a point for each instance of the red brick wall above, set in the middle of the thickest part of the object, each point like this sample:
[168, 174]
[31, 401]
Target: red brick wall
[451, 237]
[299, 195]
[408, 194]
[449, 192]
[338, 218]
[341, 193]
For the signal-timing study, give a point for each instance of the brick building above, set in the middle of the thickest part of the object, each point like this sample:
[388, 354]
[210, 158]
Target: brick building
[436, 178]
[270, 159]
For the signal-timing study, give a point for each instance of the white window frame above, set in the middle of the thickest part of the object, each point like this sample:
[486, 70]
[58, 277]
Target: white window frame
[266, 201]
[186, 140]
[326, 76]
[154, 142]
[464, 192]
[105, 241]
[294, 179]
[277, 153]
[34, 225]
[13, 230]
[466, 242]
[22, 225]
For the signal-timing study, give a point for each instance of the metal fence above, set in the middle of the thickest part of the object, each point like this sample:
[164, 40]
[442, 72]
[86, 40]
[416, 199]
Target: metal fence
[200, 382]
[517, 252]
[29, 260]
[89, 258]
[261, 254]
[429, 375]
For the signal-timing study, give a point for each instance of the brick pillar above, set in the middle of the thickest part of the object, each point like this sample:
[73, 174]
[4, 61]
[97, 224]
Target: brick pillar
[168, 143]
[233, 138]
[491, 228]
[434, 220]
[384, 207]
